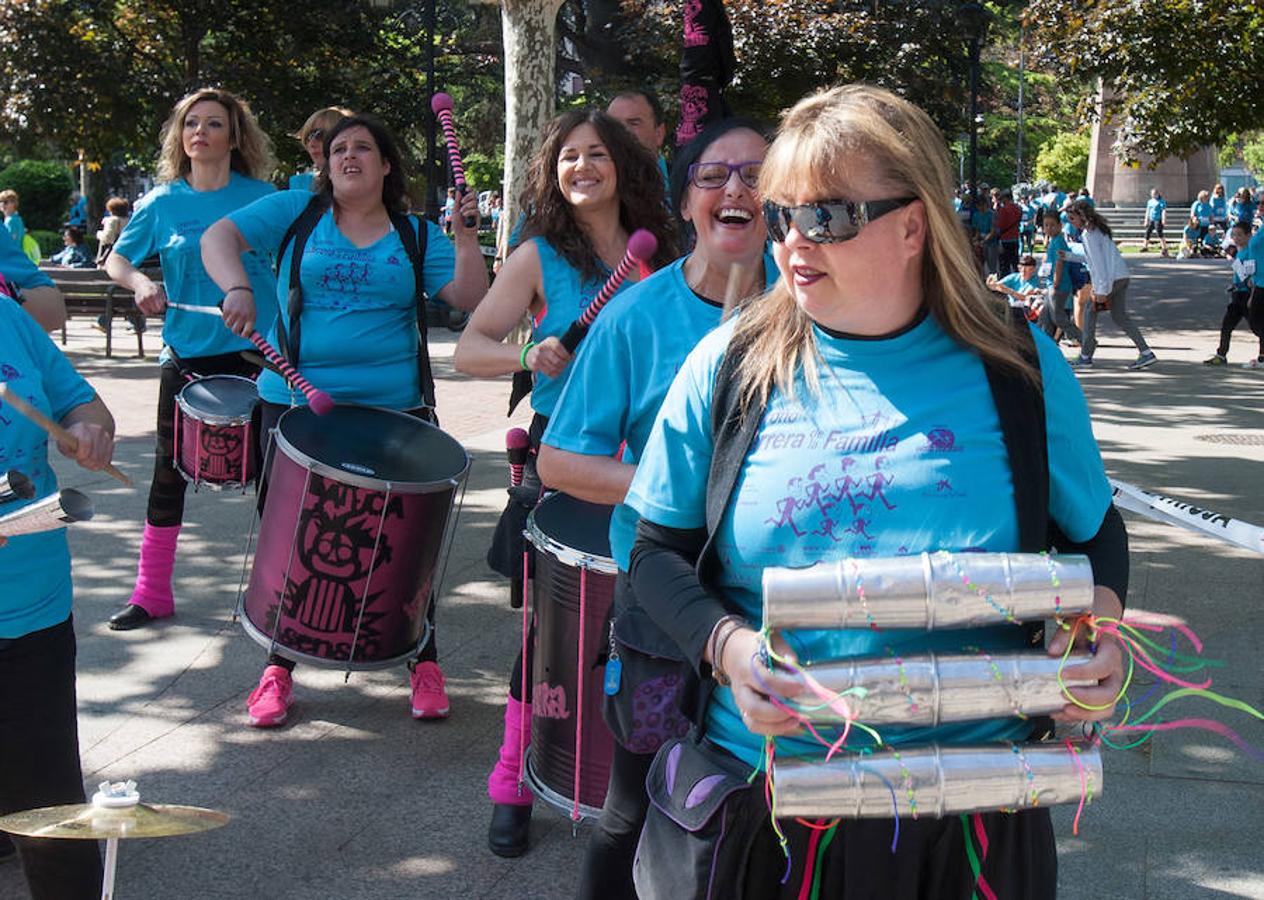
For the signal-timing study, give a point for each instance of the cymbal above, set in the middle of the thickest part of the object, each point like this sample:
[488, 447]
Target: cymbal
[85, 821]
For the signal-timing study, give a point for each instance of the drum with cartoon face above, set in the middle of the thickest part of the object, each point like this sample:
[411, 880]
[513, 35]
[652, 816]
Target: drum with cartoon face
[357, 523]
[214, 435]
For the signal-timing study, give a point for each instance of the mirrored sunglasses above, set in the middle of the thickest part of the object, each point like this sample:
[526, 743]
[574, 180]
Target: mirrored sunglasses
[827, 221]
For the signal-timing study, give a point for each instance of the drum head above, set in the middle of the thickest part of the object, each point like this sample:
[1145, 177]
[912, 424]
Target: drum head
[367, 446]
[560, 523]
[220, 399]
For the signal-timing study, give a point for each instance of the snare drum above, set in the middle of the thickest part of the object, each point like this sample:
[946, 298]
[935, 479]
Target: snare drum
[568, 762]
[357, 524]
[214, 447]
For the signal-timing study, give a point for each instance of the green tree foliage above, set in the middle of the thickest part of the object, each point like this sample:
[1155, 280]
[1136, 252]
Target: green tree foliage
[1179, 74]
[43, 190]
[1064, 160]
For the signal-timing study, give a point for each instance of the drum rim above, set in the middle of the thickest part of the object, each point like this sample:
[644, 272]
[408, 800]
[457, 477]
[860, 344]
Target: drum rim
[197, 416]
[571, 556]
[264, 640]
[345, 476]
[560, 802]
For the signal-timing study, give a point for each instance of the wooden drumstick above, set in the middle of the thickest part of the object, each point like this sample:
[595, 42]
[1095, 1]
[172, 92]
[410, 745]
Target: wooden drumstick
[62, 435]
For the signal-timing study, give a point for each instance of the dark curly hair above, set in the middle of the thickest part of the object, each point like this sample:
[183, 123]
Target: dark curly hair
[394, 190]
[640, 187]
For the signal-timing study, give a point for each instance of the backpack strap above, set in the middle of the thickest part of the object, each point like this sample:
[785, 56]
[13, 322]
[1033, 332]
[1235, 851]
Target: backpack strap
[413, 233]
[298, 233]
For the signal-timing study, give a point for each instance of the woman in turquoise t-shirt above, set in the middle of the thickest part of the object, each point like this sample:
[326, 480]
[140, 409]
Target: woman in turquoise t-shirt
[862, 350]
[588, 188]
[358, 315]
[213, 159]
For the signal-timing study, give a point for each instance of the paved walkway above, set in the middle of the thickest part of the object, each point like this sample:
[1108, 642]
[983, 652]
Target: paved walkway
[354, 799]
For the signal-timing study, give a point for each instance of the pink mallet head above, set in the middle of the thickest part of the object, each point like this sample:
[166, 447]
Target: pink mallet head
[439, 102]
[320, 402]
[517, 439]
[642, 244]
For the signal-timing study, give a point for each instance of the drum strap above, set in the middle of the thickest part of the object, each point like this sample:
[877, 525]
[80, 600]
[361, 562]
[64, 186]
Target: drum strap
[412, 234]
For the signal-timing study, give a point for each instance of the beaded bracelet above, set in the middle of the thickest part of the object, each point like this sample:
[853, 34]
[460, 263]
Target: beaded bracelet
[522, 357]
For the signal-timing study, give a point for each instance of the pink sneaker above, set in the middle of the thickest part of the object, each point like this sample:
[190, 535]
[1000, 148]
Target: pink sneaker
[430, 700]
[267, 704]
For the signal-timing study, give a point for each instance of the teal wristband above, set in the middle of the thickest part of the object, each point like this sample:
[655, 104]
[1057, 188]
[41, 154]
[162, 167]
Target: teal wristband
[522, 357]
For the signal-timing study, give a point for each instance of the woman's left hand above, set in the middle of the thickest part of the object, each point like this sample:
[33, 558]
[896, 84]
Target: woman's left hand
[1106, 666]
[95, 447]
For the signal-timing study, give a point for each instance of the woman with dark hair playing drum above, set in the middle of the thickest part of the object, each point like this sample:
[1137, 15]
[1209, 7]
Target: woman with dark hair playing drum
[879, 334]
[612, 395]
[214, 155]
[588, 189]
[353, 329]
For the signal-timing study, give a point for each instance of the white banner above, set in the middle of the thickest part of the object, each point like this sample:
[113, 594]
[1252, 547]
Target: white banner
[1178, 512]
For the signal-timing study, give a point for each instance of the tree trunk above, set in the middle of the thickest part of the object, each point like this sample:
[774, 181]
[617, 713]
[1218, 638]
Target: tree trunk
[528, 28]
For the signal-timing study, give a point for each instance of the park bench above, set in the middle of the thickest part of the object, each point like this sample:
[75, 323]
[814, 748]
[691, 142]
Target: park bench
[91, 292]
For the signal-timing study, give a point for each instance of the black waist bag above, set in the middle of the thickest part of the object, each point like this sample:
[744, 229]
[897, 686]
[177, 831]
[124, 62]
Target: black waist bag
[703, 817]
[645, 678]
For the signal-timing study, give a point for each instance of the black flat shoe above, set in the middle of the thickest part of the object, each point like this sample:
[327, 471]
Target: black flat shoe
[507, 835]
[129, 617]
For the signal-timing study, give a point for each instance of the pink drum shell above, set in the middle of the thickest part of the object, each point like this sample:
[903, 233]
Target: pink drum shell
[214, 451]
[320, 524]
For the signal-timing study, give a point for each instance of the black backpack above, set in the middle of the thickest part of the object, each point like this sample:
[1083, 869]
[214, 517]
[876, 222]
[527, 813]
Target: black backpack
[289, 326]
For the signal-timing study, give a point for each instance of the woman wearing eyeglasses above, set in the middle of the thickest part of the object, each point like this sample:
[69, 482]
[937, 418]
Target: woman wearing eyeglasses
[612, 396]
[589, 187]
[312, 137]
[879, 336]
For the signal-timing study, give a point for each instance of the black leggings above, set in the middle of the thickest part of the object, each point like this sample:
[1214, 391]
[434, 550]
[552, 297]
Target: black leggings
[166, 490]
[270, 413]
[1243, 305]
[607, 868]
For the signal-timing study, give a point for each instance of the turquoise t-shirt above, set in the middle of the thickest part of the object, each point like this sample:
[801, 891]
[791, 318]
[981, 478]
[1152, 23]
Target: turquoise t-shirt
[901, 454]
[1202, 212]
[1191, 233]
[17, 267]
[981, 221]
[359, 326]
[1056, 243]
[566, 295]
[169, 221]
[622, 372]
[36, 567]
[1154, 209]
[1243, 269]
[16, 227]
[1219, 208]
[1014, 281]
[302, 181]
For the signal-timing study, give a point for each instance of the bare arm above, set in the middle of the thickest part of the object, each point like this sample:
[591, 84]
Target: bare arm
[469, 281]
[45, 305]
[597, 479]
[222, 247]
[481, 351]
[150, 297]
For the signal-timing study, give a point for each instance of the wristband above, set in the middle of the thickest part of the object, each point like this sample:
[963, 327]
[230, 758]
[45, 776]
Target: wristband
[240, 287]
[522, 357]
[724, 629]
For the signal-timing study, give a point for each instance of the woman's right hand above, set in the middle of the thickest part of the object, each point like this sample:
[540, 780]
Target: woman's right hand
[239, 312]
[151, 299]
[548, 357]
[743, 664]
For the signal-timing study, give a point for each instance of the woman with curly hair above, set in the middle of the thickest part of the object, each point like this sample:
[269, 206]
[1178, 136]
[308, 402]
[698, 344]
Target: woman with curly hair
[589, 187]
[213, 161]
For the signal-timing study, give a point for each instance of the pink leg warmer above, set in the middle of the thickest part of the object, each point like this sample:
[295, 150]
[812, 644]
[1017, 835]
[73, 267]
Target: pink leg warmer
[502, 784]
[153, 574]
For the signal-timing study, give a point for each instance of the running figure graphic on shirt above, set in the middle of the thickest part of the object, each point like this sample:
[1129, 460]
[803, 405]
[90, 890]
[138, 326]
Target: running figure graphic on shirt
[810, 501]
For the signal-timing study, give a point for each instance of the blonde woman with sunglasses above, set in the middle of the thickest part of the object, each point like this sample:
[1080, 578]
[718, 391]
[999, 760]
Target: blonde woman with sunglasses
[862, 381]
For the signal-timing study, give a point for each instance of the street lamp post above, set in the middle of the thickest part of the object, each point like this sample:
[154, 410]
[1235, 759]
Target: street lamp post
[974, 20]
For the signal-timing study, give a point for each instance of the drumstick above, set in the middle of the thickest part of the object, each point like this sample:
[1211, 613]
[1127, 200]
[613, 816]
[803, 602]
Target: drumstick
[62, 435]
[641, 246]
[320, 402]
[518, 447]
[441, 105]
[189, 307]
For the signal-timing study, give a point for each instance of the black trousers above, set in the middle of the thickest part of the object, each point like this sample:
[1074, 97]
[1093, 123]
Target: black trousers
[1247, 305]
[607, 867]
[1009, 258]
[166, 490]
[39, 757]
[269, 413]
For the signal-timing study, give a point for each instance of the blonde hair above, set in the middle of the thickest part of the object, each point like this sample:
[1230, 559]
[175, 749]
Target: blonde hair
[9, 195]
[815, 146]
[324, 119]
[251, 147]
